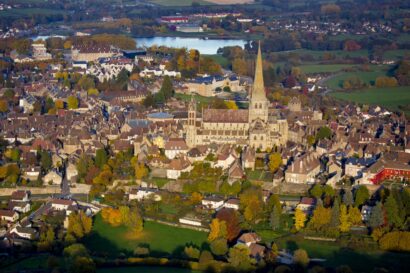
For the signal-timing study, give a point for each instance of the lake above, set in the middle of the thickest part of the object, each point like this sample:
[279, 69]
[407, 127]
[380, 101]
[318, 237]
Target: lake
[209, 46]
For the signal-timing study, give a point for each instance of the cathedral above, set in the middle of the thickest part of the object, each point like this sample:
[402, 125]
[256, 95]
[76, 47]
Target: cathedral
[258, 127]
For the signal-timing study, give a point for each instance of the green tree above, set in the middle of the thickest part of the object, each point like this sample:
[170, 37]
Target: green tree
[348, 197]
[329, 191]
[46, 161]
[72, 102]
[361, 196]
[219, 246]
[335, 217]
[167, 89]
[136, 221]
[101, 158]
[274, 219]
[239, 258]
[392, 212]
[192, 252]
[376, 218]
[316, 191]
[324, 132]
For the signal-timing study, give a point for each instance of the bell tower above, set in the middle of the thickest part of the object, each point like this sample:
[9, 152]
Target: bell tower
[191, 125]
[259, 104]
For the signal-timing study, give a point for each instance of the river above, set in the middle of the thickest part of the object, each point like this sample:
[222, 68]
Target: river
[205, 46]
[209, 46]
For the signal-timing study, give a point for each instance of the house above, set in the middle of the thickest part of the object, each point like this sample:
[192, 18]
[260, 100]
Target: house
[62, 204]
[232, 203]
[71, 172]
[249, 158]
[303, 170]
[22, 207]
[249, 238]
[175, 146]
[144, 193]
[177, 166]
[257, 251]
[190, 220]
[355, 166]
[213, 202]
[31, 173]
[235, 172]
[20, 196]
[25, 232]
[306, 204]
[9, 215]
[53, 178]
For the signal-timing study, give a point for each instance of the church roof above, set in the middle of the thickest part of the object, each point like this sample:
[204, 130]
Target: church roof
[225, 115]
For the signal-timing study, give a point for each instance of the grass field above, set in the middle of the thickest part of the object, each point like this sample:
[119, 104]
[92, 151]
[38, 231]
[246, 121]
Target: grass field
[162, 240]
[336, 82]
[320, 68]
[198, 98]
[359, 261]
[387, 97]
[222, 61]
[18, 13]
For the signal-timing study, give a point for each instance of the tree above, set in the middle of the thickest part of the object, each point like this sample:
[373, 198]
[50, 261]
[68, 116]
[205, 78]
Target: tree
[275, 160]
[219, 246]
[361, 196]
[72, 102]
[300, 219]
[392, 212]
[376, 218]
[217, 230]
[101, 157]
[301, 257]
[92, 92]
[324, 132]
[167, 89]
[344, 219]
[141, 170]
[232, 220]
[230, 104]
[136, 222]
[251, 203]
[79, 224]
[192, 252]
[239, 258]
[4, 106]
[59, 104]
[335, 217]
[348, 197]
[274, 219]
[125, 214]
[46, 161]
[328, 191]
[205, 258]
[316, 191]
[355, 217]
[321, 218]
[396, 241]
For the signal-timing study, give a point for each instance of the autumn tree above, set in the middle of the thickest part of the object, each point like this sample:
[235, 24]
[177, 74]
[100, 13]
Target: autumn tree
[79, 224]
[219, 246]
[72, 102]
[275, 160]
[355, 217]
[251, 204]
[230, 104]
[192, 252]
[300, 219]
[301, 257]
[217, 230]
[344, 219]
[4, 106]
[320, 219]
[239, 258]
[232, 221]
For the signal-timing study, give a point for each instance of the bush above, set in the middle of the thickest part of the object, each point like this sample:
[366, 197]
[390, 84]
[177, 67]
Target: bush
[396, 240]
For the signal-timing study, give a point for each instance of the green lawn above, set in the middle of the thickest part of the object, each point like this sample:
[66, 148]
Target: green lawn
[336, 82]
[32, 263]
[162, 239]
[320, 68]
[222, 61]
[160, 182]
[396, 54]
[387, 97]
[198, 98]
[358, 260]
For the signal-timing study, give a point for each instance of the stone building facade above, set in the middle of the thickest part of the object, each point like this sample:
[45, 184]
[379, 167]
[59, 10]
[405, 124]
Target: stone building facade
[258, 127]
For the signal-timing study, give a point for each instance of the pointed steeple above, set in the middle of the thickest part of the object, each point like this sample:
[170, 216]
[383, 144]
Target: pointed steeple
[258, 84]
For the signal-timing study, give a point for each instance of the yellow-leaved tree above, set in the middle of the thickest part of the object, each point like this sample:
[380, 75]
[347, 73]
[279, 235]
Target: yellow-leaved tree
[300, 219]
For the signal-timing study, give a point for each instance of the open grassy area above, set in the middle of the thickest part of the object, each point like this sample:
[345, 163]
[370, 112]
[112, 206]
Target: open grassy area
[198, 98]
[160, 182]
[336, 82]
[358, 260]
[18, 13]
[387, 97]
[162, 240]
[321, 68]
[221, 60]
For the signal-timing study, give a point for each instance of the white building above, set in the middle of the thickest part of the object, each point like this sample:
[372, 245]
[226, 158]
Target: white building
[213, 202]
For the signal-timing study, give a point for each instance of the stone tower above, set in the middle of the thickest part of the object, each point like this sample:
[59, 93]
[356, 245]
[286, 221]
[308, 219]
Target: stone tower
[191, 125]
[259, 104]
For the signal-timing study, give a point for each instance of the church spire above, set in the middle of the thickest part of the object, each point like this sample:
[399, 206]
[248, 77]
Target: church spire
[258, 85]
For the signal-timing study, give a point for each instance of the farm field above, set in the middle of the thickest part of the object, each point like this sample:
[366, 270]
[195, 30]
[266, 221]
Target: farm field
[162, 240]
[358, 260]
[336, 82]
[387, 97]
[320, 68]
[18, 13]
